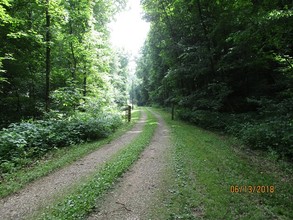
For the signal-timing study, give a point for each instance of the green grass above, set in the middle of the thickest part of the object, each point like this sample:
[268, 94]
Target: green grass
[55, 160]
[205, 165]
[83, 198]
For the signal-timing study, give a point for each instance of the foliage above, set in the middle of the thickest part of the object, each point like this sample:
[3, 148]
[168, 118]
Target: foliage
[218, 70]
[270, 129]
[120, 75]
[274, 135]
[79, 61]
[205, 119]
[66, 98]
[55, 76]
[14, 178]
[28, 140]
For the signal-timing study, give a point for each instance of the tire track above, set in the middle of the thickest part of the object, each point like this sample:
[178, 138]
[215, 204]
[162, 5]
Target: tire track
[43, 191]
[136, 192]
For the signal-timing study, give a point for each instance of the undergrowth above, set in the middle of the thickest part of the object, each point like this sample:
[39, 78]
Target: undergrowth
[22, 142]
[13, 181]
[269, 129]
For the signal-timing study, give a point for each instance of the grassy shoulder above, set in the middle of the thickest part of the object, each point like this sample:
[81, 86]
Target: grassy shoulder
[57, 159]
[83, 197]
[213, 177]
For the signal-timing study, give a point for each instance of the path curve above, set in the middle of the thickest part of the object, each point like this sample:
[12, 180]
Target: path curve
[137, 190]
[43, 191]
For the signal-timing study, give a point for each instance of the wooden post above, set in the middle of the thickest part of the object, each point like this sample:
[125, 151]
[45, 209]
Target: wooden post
[132, 96]
[173, 109]
[129, 113]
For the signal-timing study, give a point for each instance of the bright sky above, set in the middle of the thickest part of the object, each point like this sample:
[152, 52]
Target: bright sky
[129, 30]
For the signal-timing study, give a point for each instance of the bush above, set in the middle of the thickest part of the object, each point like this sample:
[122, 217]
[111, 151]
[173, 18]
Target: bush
[206, 119]
[256, 131]
[274, 134]
[31, 139]
[11, 144]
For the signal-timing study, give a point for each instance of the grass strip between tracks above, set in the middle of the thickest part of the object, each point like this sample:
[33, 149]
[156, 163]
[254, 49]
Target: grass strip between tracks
[58, 159]
[82, 199]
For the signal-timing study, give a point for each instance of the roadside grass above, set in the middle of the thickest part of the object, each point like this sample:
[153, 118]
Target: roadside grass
[57, 159]
[203, 168]
[83, 198]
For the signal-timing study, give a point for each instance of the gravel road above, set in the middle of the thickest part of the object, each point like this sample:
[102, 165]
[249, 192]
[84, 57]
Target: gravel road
[43, 191]
[137, 190]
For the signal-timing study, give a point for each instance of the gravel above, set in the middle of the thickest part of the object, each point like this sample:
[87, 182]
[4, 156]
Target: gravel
[40, 193]
[136, 193]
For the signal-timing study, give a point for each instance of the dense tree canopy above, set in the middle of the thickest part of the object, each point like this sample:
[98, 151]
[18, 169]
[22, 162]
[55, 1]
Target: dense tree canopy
[224, 64]
[227, 57]
[54, 55]
[224, 51]
[61, 82]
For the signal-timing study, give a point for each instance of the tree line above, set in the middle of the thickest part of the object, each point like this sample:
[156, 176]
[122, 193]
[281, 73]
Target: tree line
[61, 82]
[55, 54]
[225, 65]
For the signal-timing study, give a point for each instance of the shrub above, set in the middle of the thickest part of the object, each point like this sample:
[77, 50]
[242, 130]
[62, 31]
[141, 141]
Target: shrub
[205, 119]
[273, 134]
[11, 144]
[31, 139]
[256, 131]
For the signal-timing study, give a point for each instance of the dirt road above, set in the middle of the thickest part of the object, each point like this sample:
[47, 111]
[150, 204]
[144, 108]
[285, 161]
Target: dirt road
[41, 192]
[137, 190]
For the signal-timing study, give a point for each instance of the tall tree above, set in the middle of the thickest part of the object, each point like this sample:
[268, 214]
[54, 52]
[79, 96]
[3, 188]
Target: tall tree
[212, 62]
[48, 55]
[50, 49]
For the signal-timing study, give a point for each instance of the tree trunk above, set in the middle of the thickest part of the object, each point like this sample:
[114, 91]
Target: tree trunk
[84, 82]
[73, 69]
[18, 106]
[173, 111]
[208, 40]
[48, 56]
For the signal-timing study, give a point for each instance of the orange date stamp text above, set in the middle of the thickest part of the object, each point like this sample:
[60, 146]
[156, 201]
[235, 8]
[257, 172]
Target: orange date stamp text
[252, 189]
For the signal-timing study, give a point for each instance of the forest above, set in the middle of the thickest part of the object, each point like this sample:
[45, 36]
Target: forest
[211, 129]
[223, 65]
[61, 82]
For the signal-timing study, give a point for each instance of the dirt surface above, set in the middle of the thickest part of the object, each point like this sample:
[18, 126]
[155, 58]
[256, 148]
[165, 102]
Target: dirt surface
[137, 190]
[43, 191]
